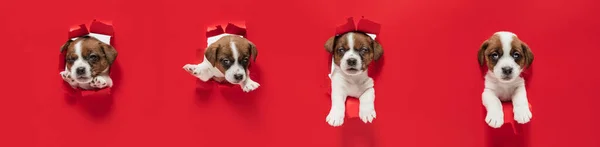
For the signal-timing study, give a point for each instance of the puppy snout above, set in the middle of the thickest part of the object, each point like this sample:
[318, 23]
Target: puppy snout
[80, 70]
[238, 77]
[351, 62]
[507, 70]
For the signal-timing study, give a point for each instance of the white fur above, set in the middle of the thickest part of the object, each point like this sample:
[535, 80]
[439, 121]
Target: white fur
[101, 81]
[498, 89]
[358, 85]
[205, 70]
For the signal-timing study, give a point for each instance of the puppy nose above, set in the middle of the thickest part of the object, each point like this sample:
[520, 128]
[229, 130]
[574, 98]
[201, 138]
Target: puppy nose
[238, 76]
[351, 61]
[507, 70]
[80, 70]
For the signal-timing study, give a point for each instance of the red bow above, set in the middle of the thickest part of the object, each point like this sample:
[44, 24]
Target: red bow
[229, 29]
[363, 25]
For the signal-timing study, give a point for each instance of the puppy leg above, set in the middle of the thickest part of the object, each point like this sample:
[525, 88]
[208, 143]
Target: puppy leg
[200, 71]
[367, 106]
[66, 75]
[101, 81]
[521, 106]
[338, 98]
[249, 85]
[495, 116]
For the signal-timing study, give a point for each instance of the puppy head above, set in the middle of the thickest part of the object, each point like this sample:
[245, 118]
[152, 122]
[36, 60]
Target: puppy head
[505, 55]
[87, 57]
[353, 51]
[231, 55]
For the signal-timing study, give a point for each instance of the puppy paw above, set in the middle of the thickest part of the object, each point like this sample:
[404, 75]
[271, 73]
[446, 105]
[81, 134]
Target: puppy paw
[367, 113]
[335, 117]
[197, 71]
[250, 86]
[99, 82]
[522, 114]
[66, 75]
[494, 119]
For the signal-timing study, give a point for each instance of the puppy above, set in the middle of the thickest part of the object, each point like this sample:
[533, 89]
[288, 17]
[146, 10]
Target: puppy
[88, 62]
[352, 53]
[227, 57]
[506, 57]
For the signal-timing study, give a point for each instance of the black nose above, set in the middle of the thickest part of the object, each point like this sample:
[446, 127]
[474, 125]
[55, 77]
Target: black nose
[507, 70]
[351, 61]
[80, 70]
[238, 76]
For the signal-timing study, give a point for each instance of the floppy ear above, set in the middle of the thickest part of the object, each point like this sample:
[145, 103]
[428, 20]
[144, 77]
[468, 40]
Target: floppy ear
[329, 44]
[528, 55]
[481, 53]
[253, 51]
[377, 50]
[211, 53]
[65, 46]
[109, 52]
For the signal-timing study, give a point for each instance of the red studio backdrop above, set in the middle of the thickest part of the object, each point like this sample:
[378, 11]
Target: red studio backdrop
[428, 92]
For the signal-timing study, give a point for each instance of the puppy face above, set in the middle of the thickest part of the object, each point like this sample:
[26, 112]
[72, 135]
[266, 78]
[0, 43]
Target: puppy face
[87, 57]
[353, 51]
[231, 55]
[505, 55]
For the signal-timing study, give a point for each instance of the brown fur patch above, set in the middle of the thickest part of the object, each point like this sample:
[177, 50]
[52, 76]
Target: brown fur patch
[522, 49]
[98, 54]
[221, 50]
[336, 44]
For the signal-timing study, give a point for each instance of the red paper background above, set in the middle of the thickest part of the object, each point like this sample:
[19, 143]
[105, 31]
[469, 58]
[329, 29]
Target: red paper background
[428, 93]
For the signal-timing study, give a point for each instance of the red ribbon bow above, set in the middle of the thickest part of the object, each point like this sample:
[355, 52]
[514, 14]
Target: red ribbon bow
[229, 29]
[363, 25]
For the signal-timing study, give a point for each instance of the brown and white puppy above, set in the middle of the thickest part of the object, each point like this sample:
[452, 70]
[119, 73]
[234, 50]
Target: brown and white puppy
[505, 56]
[227, 57]
[87, 63]
[352, 53]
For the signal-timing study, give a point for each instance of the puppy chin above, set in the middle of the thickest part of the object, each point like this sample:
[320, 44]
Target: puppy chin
[352, 71]
[82, 79]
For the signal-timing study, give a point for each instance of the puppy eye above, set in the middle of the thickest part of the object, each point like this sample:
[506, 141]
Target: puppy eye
[516, 55]
[341, 50]
[71, 60]
[364, 50]
[226, 61]
[494, 56]
[93, 57]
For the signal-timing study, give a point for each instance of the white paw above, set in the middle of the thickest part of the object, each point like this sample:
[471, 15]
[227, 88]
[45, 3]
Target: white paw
[522, 114]
[99, 82]
[367, 113]
[66, 75]
[201, 73]
[495, 119]
[250, 85]
[335, 117]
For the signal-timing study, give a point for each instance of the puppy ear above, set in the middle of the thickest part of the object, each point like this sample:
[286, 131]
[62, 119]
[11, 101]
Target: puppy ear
[65, 46]
[109, 52]
[481, 53]
[329, 44]
[253, 51]
[377, 50]
[528, 55]
[211, 53]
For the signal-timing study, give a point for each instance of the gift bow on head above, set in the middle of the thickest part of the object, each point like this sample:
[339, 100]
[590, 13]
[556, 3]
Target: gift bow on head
[96, 27]
[229, 29]
[363, 25]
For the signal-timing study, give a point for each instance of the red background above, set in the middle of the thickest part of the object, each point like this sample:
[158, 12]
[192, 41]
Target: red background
[428, 93]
